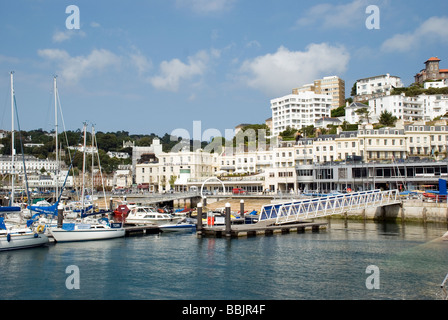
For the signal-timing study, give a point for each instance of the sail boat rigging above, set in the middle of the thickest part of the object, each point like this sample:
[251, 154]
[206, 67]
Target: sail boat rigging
[18, 237]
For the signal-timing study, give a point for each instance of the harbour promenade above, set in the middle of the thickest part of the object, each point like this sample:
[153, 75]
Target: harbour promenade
[415, 210]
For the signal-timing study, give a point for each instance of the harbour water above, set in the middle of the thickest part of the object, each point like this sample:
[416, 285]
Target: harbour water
[330, 264]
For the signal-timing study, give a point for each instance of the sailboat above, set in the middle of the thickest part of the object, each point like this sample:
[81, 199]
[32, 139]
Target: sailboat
[20, 237]
[45, 208]
[15, 236]
[81, 231]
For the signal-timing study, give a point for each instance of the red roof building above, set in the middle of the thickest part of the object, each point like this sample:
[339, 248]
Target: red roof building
[431, 72]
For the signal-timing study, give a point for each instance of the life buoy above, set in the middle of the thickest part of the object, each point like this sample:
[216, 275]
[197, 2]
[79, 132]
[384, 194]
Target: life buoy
[40, 228]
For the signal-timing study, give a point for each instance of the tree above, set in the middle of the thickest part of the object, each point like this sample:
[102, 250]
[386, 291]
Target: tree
[387, 119]
[338, 112]
[353, 92]
[288, 134]
[363, 113]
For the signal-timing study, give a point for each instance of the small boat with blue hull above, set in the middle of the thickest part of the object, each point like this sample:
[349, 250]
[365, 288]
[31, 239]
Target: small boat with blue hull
[186, 225]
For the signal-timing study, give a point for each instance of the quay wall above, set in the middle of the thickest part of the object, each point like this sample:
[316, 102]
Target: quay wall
[409, 210]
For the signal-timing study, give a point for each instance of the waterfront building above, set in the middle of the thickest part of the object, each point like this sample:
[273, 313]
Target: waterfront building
[32, 164]
[432, 71]
[46, 182]
[154, 149]
[171, 171]
[298, 110]
[377, 86]
[408, 155]
[122, 178]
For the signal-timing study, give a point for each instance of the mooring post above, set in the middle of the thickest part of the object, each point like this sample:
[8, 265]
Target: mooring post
[111, 208]
[242, 210]
[199, 218]
[228, 227]
[60, 216]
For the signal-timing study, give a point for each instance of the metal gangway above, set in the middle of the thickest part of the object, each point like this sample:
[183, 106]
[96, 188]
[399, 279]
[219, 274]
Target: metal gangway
[295, 211]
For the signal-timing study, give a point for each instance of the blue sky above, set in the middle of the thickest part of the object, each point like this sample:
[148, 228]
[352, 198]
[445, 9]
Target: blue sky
[156, 66]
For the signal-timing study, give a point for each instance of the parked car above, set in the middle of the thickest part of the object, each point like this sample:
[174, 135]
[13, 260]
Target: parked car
[239, 191]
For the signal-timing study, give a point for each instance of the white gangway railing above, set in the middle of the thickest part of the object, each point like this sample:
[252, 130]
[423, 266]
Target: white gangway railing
[303, 209]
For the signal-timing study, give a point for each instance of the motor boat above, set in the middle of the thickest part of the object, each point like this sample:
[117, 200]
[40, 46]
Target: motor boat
[185, 225]
[144, 215]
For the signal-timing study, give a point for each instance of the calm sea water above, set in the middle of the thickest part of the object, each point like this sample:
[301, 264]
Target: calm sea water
[411, 259]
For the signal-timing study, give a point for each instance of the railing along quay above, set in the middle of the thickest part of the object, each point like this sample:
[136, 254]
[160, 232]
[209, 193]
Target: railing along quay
[304, 209]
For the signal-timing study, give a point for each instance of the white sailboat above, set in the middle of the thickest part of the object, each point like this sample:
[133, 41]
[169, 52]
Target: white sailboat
[88, 231]
[14, 236]
[81, 231]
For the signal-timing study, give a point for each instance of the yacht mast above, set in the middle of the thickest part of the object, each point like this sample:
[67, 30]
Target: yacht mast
[56, 135]
[83, 167]
[12, 139]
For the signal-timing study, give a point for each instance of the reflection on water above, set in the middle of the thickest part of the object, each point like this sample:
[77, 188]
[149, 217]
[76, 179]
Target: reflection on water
[330, 264]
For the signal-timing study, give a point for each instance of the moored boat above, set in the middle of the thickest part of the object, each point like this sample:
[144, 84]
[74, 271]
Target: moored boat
[88, 231]
[13, 238]
[186, 225]
[148, 215]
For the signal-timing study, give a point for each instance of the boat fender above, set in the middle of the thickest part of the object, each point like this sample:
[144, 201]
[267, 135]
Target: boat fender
[36, 235]
[8, 237]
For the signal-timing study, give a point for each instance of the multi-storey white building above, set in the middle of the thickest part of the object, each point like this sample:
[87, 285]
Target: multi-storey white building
[434, 105]
[32, 164]
[401, 106]
[376, 86]
[299, 110]
[436, 84]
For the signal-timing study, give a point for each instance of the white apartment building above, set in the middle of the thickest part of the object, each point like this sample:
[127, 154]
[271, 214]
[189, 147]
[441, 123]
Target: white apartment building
[434, 105]
[376, 86]
[32, 164]
[436, 84]
[401, 106]
[299, 110]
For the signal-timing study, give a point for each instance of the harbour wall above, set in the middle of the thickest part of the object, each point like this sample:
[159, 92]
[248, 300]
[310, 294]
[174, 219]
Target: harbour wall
[409, 210]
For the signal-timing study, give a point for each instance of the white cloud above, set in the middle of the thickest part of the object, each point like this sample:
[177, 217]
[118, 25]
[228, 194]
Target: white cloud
[335, 16]
[432, 30]
[174, 71]
[73, 69]
[60, 36]
[206, 6]
[276, 74]
[140, 62]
